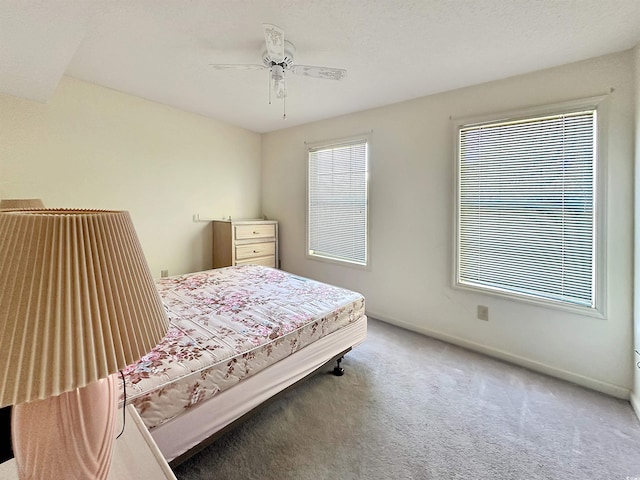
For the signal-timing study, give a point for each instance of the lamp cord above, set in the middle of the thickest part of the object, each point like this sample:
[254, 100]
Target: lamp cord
[124, 406]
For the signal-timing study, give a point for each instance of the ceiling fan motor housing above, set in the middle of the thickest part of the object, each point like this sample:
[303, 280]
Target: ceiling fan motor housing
[287, 61]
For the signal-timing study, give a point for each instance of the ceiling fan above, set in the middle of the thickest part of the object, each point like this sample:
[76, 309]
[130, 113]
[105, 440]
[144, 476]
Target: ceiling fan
[277, 58]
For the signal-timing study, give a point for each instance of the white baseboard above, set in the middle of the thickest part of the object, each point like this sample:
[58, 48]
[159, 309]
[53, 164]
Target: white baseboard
[635, 403]
[598, 385]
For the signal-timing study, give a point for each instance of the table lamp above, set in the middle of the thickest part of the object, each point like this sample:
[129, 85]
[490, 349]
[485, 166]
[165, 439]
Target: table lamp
[12, 204]
[77, 304]
[16, 203]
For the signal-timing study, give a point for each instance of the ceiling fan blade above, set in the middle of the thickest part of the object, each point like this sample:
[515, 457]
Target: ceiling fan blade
[319, 72]
[236, 66]
[274, 38]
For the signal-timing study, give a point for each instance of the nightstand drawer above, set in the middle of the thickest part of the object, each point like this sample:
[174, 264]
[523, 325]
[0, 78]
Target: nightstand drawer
[252, 250]
[244, 232]
[264, 261]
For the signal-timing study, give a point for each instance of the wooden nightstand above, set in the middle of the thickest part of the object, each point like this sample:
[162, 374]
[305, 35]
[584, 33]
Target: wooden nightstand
[243, 242]
[135, 454]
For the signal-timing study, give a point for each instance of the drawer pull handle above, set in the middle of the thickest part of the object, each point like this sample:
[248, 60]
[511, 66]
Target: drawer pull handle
[256, 251]
[255, 233]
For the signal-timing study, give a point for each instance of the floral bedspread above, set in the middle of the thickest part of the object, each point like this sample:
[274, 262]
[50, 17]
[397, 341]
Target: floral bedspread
[226, 325]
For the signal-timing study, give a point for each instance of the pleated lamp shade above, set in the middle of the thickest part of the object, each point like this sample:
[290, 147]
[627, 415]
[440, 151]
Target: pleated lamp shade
[77, 300]
[16, 203]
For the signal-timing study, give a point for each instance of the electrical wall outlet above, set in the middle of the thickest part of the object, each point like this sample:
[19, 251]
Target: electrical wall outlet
[164, 273]
[483, 313]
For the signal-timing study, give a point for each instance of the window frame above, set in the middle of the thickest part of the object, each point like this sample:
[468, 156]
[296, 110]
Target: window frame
[334, 143]
[600, 105]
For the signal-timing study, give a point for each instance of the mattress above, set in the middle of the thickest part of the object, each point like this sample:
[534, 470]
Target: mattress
[227, 325]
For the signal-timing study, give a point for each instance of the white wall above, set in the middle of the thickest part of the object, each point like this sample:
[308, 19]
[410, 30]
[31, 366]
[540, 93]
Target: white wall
[635, 396]
[91, 147]
[411, 213]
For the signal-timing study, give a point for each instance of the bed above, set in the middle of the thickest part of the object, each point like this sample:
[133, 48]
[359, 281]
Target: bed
[238, 336]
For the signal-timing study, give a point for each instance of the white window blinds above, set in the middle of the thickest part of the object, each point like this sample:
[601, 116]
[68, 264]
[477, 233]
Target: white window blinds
[526, 217]
[337, 196]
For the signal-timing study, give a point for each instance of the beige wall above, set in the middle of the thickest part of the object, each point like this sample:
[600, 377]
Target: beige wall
[91, 147]
[411, 215]
[635, 398]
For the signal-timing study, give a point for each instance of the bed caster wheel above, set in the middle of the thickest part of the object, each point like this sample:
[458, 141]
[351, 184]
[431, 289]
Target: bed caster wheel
[338, 371]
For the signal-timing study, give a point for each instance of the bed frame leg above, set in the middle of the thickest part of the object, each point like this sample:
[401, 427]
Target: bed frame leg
[338, 371]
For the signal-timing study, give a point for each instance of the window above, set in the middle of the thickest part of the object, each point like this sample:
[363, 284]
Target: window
[337, 201]
[526, 207]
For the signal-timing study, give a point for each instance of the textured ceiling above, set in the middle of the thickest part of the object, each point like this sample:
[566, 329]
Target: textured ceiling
[393, 50]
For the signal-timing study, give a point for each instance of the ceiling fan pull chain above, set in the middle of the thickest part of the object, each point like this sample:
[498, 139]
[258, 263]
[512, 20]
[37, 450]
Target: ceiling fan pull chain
[269, 82]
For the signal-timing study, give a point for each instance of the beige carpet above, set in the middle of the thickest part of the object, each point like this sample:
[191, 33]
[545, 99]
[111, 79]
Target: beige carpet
[410, 407]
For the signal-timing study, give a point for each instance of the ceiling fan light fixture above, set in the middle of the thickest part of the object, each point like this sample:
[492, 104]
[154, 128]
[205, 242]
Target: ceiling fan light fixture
[277, 77]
